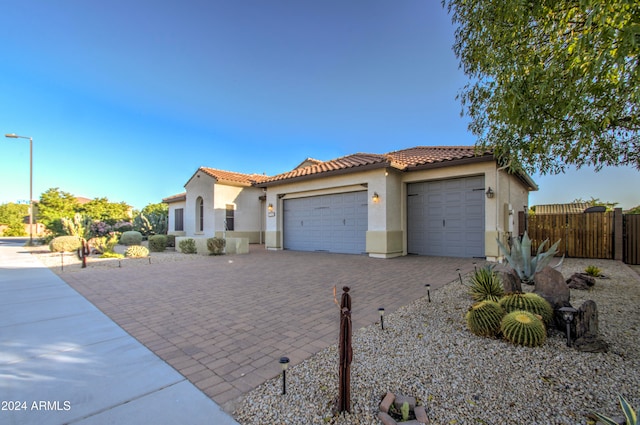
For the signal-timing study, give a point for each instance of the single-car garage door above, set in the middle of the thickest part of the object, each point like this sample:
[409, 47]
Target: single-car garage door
[446, 217]
[333, 223]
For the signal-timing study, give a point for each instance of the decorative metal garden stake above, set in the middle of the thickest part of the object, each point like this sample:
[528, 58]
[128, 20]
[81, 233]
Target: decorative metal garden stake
[428, 293]
[459, 276]
[284, 362]
[381, 313]
[346, 353]
[567, 315]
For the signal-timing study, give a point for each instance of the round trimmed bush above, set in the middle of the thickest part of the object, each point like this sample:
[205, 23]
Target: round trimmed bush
[136, 251]
[523, 328]
[533, 303]
[157, 243]
[65, 244]
[131, 237]
[484, 318]
[216, 246]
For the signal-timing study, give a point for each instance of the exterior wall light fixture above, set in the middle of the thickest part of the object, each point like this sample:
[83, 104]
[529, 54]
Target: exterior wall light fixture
[375, 198]
[489, 193]
[270, 207]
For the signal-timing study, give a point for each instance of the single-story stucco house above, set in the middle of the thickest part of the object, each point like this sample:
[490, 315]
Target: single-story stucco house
[425, 200]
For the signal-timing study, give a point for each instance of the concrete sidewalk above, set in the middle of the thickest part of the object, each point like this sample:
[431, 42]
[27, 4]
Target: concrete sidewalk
[64, 361]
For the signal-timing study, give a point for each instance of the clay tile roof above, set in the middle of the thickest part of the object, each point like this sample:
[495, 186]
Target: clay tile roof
[233, 177]
[421, 155]
[175, 198]
[354, 161]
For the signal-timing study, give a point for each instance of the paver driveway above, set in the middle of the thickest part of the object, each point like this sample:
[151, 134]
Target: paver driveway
[224, 322]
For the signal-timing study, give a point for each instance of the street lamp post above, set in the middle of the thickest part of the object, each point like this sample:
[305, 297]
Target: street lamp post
[15, 136]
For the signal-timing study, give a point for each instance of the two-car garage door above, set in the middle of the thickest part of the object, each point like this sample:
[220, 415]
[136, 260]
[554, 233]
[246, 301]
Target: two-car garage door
[333, 223]
[446, 217]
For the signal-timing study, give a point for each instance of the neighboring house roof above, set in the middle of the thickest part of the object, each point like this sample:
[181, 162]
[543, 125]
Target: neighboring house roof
[574, 207]
[175, 198]
[307, 162]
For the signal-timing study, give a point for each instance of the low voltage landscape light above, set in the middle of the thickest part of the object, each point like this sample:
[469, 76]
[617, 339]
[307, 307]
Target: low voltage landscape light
[284, 363]
[381, 313]
[428, 286]
[567, 315]
[459, 276]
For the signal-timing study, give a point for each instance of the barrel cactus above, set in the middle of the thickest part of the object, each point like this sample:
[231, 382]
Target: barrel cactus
[486, 285]
[484, 318]
[523, 328]
[533, 303]
[136, 251]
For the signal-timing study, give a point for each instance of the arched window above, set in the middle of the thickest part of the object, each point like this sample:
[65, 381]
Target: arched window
[199, 214]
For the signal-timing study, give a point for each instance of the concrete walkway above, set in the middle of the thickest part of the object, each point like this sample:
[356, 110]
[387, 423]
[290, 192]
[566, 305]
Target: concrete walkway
[62, 361]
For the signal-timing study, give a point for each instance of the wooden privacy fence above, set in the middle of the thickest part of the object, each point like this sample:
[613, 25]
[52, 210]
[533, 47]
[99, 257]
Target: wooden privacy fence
[608, 235]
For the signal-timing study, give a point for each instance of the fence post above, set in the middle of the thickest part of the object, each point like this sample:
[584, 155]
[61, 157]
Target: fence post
[618, 237]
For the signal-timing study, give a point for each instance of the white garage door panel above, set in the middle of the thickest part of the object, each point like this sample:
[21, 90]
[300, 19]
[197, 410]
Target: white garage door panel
[334, 223]
[446, 217]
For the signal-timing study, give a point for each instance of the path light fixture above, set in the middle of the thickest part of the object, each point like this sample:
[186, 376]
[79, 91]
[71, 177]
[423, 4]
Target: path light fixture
[284, 363]
[459, 276]
[381, 313]
[567, 315]
[428, 286]
[475, 269]
[15, 136]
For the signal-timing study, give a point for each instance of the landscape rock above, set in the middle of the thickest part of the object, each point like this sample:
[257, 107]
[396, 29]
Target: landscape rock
[580, 281]
[591, 344]
[550, 285]
[421, 414]
[385, 404]
[511, 282]
[586, 320]
[386, 419]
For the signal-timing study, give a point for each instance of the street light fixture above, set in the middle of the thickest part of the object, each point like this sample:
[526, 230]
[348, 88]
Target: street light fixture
[15, 136]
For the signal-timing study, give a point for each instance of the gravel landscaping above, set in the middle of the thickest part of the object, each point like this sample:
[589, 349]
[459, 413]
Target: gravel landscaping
[427, 352]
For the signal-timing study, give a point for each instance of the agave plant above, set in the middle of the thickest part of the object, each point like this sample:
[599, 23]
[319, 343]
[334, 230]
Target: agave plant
[523, 263]
[629, 414]
[486, 285]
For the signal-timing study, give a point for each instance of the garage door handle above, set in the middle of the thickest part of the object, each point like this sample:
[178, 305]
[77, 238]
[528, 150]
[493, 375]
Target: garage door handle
[442, 223]
[344, 222]
[301, 223]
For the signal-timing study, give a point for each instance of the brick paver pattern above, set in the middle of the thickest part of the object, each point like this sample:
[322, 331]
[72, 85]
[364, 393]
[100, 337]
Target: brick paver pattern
[224, 321]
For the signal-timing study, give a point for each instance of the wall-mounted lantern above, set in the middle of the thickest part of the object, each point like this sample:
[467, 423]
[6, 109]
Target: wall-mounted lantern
[375, 198]
[489, 193]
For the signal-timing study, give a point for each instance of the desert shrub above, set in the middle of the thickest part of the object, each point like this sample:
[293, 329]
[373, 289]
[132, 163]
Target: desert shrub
[486, 285]
[111, 254]
[593, 271]
[136, 251]
[216, 246]
[171, 241]
[188, 246]
[65, 244]
[14, 229]
[157, 243]
[104, 244]
[131, 237]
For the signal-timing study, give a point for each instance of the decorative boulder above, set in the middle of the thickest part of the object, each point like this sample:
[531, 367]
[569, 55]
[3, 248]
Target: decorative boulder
[581, 281]
[550, 285]
[511, 282]
[587, 331]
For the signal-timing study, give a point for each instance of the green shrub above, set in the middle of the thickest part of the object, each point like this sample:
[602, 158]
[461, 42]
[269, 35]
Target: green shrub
[593, 271]
[523, 328]
[533, 303]
[131, 237]
[157, 243]
[171, 241]
[484, 318]
[111, 254]
[136, 251]
[65, 244]
[188, 246]
[104, 244]
[486, 285]
[216, 246]
[14, 229]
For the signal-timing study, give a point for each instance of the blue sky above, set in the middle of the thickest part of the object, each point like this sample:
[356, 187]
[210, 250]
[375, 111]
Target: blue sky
[126, 99]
